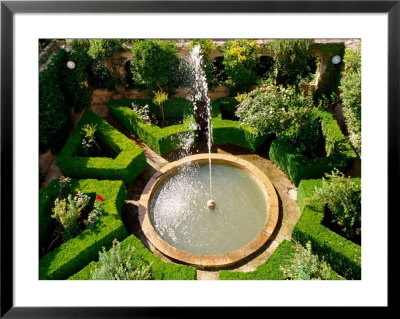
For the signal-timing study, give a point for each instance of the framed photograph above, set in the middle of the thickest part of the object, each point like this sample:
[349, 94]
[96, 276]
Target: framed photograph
[150, 103]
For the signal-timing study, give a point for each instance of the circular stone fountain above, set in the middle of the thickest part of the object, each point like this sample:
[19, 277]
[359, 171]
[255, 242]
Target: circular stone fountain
[180, 219]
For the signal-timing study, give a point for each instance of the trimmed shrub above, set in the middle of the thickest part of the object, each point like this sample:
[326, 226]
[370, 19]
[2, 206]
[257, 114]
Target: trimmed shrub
[232, 132]
[240, 60]
[156, 64]
[161, 140]
[270, 270]
[128, 164]
[159, 269]
[292, 59]
[76, 253]
[351, 96]
[343, 255]
[298, 166]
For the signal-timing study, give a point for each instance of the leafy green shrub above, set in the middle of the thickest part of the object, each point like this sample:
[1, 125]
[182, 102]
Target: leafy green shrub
[117, 265]
[298, 166]
[351, 95]
[240, 60]
[273, 109]
[343, 255]
[104, 49]
[67, 212]
[156, 64]
[159, 269]
[99, 77]
[306, 266]
[78, 44]
[292, 59]
[88, 140]
[159, 99]
[128, 164]
[76, 253]
[343, 198]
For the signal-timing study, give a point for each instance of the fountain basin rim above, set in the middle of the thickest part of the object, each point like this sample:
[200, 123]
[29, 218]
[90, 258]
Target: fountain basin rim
[208, 261]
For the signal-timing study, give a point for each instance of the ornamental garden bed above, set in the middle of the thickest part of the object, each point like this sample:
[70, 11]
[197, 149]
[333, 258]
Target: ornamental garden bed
[230, 131]
[77, 252]
[343, 254]
[129, 162]
[161, 140]
[298, 166]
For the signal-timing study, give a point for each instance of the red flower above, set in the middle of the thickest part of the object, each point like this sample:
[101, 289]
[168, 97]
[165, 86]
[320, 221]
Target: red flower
[98, 197]
[84, 220]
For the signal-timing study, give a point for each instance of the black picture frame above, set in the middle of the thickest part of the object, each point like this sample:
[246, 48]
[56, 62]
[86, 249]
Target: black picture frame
[9, 8]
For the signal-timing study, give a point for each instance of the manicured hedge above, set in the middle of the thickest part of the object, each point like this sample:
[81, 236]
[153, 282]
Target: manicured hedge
[160, 269]
[343, 255]
[76, 253]
[161, 140]
[129, 163]
[232, 132]
[270, 270]
[340, 155]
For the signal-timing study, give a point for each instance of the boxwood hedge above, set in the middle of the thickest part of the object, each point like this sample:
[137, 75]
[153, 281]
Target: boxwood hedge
[76, 253]
[129, 163]
[160, 269]
[161, 140]
[343, 255]
[270, 270]
[232, 132]
[340, 155]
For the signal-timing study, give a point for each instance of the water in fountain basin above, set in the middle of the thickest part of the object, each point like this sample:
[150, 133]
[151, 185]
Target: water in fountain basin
[180, 216]
[200, 94]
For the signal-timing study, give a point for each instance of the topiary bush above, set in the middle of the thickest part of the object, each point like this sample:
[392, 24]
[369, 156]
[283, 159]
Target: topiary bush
[161, 140]
[128, 164]
[156, 64]
[240, 60]
[343, 255]
[350, 87]
[77, 252]
[160, 270]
